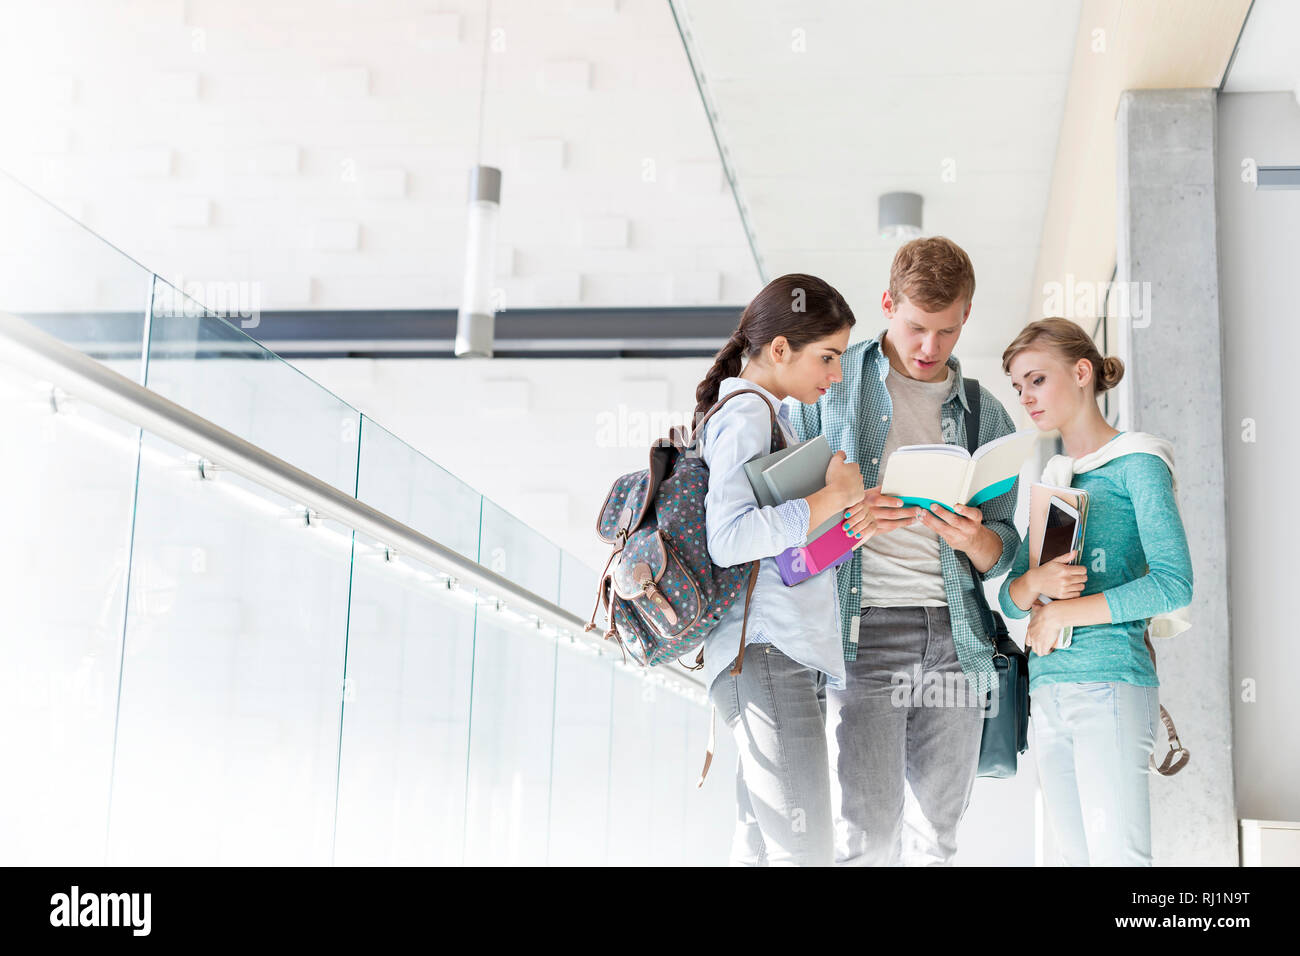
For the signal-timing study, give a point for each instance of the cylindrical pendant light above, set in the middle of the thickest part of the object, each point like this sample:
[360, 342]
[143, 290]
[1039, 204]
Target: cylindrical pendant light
[474, 324]
[900, 215]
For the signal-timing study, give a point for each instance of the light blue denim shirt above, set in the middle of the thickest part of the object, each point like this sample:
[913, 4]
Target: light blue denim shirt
[801, 621]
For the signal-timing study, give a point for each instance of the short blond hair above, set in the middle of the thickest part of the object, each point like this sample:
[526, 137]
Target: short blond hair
[933, 273]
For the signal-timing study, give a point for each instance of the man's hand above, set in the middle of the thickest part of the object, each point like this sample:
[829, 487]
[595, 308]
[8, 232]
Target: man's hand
[877, 514]
[961, 530]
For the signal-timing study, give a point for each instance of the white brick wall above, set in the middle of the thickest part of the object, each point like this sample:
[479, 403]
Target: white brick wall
[324, 148]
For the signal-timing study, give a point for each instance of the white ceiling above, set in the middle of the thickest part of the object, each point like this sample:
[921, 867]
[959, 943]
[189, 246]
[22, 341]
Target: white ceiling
[889, 96]
[1268, 51]
[322, 149]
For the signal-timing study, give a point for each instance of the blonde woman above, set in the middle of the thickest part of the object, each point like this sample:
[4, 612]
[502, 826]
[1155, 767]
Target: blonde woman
[1095, 703]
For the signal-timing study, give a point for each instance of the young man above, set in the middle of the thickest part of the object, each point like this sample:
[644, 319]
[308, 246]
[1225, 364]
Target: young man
[916, 650]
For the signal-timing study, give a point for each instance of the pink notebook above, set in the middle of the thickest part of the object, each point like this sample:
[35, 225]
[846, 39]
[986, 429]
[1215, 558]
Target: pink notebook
[833, 548]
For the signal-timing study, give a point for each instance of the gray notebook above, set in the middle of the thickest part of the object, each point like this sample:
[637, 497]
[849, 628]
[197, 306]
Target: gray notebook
[793, 472]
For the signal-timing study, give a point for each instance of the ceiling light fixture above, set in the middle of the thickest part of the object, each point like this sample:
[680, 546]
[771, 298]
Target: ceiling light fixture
[477, 315]
[900, 216]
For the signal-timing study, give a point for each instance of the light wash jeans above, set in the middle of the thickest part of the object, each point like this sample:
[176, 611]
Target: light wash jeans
[1092, 742]
[776, 709]
[905, 741]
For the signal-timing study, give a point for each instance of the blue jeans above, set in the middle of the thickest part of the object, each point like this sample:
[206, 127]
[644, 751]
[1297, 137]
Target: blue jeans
[905, 735]
[776, 710]
[1092, 742]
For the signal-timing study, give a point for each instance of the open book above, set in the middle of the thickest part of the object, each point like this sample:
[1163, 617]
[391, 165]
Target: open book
[797, 472]
[923, 475]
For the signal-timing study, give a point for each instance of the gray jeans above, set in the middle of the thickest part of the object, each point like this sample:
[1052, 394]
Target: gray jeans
[776, 710]
[905, 730]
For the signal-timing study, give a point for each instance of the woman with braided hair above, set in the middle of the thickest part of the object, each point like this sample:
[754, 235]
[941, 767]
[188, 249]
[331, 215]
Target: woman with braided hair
[773, 699]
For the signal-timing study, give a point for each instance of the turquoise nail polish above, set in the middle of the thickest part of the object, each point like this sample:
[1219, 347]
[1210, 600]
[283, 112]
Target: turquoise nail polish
[846, 514]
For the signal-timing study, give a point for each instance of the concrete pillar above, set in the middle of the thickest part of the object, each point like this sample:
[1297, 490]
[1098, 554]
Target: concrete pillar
[1167, 259]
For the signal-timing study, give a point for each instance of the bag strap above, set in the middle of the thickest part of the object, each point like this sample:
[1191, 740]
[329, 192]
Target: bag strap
[699, 426]
[972, 416]
[753, 567]
[749, 586]
[1178, 755]
[740, 659]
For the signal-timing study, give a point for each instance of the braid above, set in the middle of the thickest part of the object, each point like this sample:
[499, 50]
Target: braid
[726, 364]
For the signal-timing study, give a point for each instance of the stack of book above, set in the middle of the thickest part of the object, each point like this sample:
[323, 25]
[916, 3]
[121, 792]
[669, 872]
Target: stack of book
[1057, 519]
[797, 472]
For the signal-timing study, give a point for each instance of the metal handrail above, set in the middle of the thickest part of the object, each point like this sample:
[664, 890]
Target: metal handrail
[45, 357]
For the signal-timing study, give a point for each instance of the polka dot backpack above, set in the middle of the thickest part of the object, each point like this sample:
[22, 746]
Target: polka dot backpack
[660, 590]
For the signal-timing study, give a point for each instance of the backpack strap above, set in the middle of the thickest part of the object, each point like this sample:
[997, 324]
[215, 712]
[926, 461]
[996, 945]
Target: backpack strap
[664, 451]
[699, 426]
[752, 578]
[972, 416]
[744, 625]
[753, 568]
[740, 659]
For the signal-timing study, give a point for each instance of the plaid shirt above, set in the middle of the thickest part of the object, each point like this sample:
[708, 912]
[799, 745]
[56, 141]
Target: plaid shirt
[854, 416]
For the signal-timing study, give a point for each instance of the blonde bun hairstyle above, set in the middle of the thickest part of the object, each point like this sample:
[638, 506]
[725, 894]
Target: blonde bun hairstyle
[1068, 340]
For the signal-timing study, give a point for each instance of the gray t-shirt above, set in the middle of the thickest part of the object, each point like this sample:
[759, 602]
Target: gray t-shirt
[902, 568]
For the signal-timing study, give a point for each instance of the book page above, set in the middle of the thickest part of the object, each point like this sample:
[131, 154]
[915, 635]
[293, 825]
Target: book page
[920, 477]
[942, 449]
[996, 466]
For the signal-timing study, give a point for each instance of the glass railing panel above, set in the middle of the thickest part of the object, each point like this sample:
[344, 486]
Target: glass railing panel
[284, 699]
[399, 481]
[68, 481]
[210, 366]
[632, 811]
[410, 658]
[508, 802]
[672, 774]
[227, 740]
[584, 687]
[405, 716]
[508, 797]
[232, 682]
[69, 282]
[577, 587]
[583, 698]
[518, 553]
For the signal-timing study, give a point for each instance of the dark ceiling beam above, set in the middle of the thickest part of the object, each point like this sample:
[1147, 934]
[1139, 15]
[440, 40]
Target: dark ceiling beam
[678, 332]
